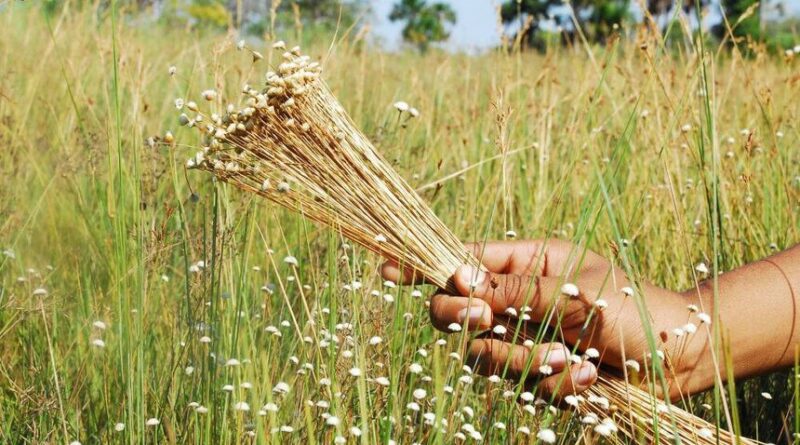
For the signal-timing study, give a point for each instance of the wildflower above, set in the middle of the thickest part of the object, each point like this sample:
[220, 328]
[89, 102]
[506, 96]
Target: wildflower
[246, 385]
[546, 435]
[592, 353]
[286, 429]
[419, 393]
[401, 106]
[284, 187]
[705, 433]
[500, 425]
[686, 128]
[240, 45]
[600, 304]
[152, 422]
[545, 369]
[209, 95]
[692, 308]
[98, 343]
[526, 396]
[499, 329]
[389, 298]
[233, 362]
[201, 410]
[415, 368]
[40, 292]
[241, 406]
[454, 327]
[380, 238]
[119, 426]
[678, 332]
[494, 378]
[455, 356]
[281, 388]
[355, 431]
[571, 400]
[270, 407]
[589, 419]
[172, 70]
[766, 395]
[205, 339]
[339, 440]
[280, 44]
[413, 406]
[416, 293]
[375, 341]
[602, 429]
[704, 318]
[633, 365]
[227, 388]
[701, 268]
[355, 372]
[510, 234]
[332, 421]
[570, 290]
[383, 381]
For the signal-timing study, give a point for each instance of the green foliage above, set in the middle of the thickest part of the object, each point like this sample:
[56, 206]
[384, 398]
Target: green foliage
[425, 24]
[209, 12]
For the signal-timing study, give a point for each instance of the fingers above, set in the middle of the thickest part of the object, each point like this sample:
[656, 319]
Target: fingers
[496, 357]
[579, 378]
[542, 298]
[550, 361]
[390, 270]
[447, 311]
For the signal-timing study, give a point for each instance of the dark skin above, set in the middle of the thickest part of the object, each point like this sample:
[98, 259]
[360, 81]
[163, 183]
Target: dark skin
[757, 314]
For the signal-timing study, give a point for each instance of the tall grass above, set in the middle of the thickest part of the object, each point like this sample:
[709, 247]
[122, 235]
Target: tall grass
[114, 229]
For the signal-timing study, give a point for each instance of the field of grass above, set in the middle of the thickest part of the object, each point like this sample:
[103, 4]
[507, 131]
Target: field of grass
[141, 303]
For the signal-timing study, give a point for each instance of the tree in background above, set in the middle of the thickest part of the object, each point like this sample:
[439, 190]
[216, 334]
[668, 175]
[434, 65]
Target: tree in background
[425, 23]
[744, 18]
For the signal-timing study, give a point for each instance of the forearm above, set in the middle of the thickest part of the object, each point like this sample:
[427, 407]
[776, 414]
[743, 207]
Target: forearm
[759, 318]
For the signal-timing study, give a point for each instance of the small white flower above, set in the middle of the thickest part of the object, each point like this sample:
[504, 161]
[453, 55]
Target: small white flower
[233, 362]
[627, 291]
[413, 112]
[286, 429]
[205, 339]
[545, 369]
[99, 325]
[375, 341]
[209, 95]
[454, 327]
[589, 419]
[704, 318]
[494, 378]
[201, 410]
[172, 70]
[546, 435]
[413, 406]
[526, 396]
[332, 421]
[152, 422]
[380, 238]
[524, 430]
[383, 381]
[240, 44]
[499, 330]
[500, 425]
[270, 407]
[401, 106]
[633, 365]
[510, 234]
[592, 353]
[602, 429]
[281, 388]
[228, 388]
[241, 406]
[705, 433]
[119, 426]
[355, 372]
[419, 393]
[601, 304]
[570, 290]
[686, 128]
[98, 343]
[290, 260]
[415, 368]
[39, 292]
[766, 395]
[355, 431]
[571, 400]
[701, 268]
[339, 440]
[416, 293]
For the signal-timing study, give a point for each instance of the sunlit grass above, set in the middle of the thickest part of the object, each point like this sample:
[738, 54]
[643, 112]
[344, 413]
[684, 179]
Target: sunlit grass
[117, 232]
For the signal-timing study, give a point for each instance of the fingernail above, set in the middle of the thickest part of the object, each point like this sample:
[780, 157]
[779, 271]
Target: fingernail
[586, 374]
[557, 358]
[477, 316]
[472, 276]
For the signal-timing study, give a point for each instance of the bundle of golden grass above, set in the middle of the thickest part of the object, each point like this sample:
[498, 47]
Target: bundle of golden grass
[294, 144]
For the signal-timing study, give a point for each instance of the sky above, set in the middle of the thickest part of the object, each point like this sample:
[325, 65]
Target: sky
[476, 27]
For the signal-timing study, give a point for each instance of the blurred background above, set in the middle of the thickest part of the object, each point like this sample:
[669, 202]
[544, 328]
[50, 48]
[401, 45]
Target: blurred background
[478, 25]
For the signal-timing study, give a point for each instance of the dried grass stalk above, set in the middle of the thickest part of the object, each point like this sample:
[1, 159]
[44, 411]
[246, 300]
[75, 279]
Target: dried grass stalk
[295, 145]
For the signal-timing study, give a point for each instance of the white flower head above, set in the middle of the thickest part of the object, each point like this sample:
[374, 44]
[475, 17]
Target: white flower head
[152, 422]
[546, 435]
[401, 106]
[570, 290]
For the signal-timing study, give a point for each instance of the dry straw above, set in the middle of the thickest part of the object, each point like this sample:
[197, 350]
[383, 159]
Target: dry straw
[294, 144]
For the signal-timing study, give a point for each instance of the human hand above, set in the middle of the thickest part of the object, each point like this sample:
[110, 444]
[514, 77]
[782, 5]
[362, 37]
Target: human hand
[587, 301]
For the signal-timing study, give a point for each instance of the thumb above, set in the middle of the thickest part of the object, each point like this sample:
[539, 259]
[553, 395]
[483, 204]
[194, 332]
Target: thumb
[500, 291]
